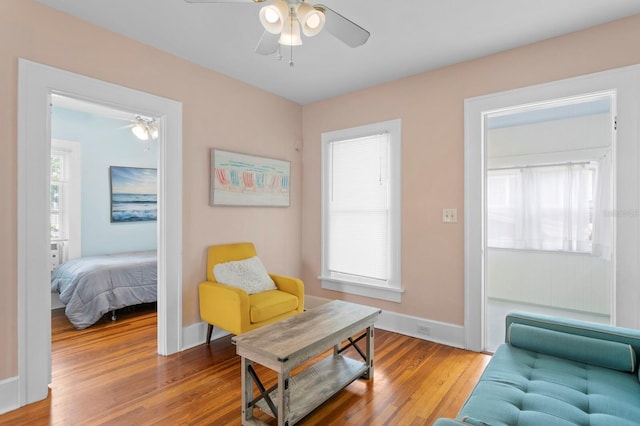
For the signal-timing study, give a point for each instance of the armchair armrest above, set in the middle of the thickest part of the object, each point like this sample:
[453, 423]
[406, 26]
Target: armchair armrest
[225, 306]
[290, 285]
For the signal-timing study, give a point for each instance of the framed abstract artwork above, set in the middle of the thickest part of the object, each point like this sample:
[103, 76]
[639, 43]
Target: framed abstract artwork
[248, 180]
[134, 194]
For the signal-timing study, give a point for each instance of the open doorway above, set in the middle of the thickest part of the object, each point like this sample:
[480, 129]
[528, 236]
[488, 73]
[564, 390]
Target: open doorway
[623, 83]
[548, 211]
[103, 230]
[37, 83]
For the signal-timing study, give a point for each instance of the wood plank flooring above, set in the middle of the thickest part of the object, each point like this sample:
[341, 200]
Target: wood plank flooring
[110, 374]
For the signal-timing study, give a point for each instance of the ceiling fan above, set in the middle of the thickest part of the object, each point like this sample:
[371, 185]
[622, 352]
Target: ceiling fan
[144, 128]
[284, 20]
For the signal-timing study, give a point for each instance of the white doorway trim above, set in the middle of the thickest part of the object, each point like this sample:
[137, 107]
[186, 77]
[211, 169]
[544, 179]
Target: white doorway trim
[36, 85]
[625, 82]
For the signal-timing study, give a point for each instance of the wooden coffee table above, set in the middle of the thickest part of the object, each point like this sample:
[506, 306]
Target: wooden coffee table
[286, 344]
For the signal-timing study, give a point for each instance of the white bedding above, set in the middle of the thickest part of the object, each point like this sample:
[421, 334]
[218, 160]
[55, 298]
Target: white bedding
[92, 286]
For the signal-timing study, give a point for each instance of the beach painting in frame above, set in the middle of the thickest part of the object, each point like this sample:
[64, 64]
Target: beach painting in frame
[134, 194]
[248, 180]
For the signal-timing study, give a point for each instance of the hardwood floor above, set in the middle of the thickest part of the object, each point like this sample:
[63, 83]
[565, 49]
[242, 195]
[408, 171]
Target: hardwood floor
[110, 373]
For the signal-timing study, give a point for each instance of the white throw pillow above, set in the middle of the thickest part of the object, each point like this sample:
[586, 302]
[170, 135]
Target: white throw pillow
[248, 274]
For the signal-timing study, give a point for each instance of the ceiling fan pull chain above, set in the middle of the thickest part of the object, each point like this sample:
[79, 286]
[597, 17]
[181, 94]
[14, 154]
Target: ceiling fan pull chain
[291, 58]
[292, 16]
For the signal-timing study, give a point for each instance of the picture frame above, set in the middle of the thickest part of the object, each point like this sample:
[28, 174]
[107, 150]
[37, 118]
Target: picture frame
[134, 194]
[248, 180]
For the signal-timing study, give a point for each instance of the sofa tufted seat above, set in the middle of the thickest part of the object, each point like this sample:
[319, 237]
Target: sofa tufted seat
[557, 372]
[521, 387]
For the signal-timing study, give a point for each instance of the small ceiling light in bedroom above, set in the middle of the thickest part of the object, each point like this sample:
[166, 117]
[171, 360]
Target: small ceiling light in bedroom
[145, 128]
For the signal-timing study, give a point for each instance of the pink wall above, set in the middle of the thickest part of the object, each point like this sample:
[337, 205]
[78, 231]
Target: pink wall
[217, 112]
[431, 106]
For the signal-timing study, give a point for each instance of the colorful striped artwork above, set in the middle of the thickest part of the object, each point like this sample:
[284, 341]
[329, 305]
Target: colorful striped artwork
[248, 180]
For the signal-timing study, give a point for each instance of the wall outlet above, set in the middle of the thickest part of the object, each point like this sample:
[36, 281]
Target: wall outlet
[450, 215]
[423, 329]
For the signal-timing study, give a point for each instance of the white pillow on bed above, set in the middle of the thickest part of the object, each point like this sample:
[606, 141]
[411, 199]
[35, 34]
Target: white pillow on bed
[248, 274]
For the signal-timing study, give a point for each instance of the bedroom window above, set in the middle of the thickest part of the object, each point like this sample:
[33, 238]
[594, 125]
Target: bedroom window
[361, 210]
[59, 222]
[64, 202]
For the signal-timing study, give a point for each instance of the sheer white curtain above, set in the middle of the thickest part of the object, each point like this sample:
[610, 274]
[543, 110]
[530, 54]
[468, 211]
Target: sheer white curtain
[603, 210]
[541, 207]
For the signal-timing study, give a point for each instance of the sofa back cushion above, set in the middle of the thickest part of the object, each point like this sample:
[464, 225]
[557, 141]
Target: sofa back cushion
[603, 353]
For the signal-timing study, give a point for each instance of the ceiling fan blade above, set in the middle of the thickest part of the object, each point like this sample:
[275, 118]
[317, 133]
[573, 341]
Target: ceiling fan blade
[268, 43]
[350, 33]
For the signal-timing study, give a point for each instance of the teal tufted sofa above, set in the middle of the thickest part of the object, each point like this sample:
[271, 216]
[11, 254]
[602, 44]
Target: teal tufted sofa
[554, 371]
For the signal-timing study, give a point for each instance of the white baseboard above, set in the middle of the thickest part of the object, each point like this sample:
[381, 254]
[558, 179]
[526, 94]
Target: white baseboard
[434, 331]
[421, 328]
[196, 334]
[9, 394]
[313, 301]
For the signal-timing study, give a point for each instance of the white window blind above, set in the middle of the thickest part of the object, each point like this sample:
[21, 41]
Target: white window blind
[362, 209]
[358, 225]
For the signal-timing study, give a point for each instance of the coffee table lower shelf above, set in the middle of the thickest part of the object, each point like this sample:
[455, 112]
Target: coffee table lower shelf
[314, 385]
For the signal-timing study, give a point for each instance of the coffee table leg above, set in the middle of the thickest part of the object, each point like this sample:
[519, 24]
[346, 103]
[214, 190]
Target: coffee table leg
[369, 354]
[247, 390]
[283, 398]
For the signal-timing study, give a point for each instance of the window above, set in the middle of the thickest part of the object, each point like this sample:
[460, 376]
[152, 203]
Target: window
[64, 203]
[361, 210]
[59, 222]
[546, 207]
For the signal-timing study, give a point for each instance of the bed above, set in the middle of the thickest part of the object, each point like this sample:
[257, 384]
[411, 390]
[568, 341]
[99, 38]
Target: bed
[92, 286]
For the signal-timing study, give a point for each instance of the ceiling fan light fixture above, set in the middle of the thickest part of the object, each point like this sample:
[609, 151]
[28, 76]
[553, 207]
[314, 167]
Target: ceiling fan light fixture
[273, 16]
[153, 131]
[145, 129]
[290, 35]
[311, 19]
[140, 132]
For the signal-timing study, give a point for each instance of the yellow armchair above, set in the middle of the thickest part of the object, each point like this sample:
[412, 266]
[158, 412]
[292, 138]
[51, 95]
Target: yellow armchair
[232, 308]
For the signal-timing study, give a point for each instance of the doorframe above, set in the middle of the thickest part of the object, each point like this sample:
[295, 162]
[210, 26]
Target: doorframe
[36, 84]
[625, 82]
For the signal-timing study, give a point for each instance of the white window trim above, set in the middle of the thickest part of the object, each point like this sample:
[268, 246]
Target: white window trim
[625, 82]
[74, 217]
[394, 291]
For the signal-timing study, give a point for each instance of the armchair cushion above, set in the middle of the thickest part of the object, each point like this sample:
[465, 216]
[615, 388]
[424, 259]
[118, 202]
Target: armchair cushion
[231, 308]
[247, 274]
[270, 304]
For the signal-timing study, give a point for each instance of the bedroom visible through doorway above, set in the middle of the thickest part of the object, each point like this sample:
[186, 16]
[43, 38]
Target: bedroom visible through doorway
[37, 83]
[88, 142]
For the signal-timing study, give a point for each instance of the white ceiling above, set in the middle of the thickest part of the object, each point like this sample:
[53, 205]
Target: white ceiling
[407, 36]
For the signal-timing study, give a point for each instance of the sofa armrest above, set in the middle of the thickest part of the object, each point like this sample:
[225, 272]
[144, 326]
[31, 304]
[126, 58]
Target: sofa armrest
[603, 332]
[290, 285]
[224, 306]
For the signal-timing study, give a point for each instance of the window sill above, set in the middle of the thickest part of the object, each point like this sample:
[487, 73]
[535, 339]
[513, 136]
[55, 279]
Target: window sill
[350, 287]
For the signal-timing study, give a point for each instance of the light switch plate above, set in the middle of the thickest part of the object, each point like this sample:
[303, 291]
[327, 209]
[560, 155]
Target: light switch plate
[450, 215]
